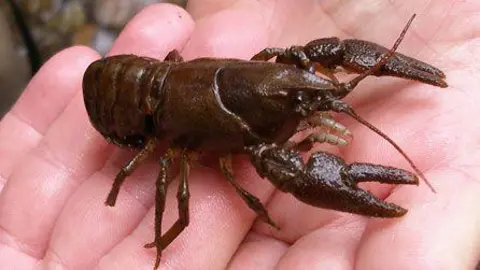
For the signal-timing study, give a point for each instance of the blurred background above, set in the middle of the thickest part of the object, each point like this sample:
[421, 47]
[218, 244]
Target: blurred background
[32, 31]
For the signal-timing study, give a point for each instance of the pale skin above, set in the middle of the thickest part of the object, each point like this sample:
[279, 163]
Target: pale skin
[56, 170]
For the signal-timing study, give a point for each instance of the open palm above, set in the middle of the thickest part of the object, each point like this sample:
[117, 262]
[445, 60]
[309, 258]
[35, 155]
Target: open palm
[56, 170]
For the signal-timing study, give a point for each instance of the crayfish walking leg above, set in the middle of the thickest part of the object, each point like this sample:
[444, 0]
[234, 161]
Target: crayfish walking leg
[183, 196]
[252, 201]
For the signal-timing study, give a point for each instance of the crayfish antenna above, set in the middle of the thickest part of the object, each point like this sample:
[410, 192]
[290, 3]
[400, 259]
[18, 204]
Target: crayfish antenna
[347, 110]
[384, 58]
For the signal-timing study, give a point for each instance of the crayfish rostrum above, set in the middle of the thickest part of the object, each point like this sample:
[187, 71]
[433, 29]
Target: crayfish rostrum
[253, 107]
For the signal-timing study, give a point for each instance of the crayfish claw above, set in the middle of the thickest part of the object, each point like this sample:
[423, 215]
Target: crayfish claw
[332, 184]
[361, 172]
[326, 181]
[360, 55]
[419, 65]
[361, 202]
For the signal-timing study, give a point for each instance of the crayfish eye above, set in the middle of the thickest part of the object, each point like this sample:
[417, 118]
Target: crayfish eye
[131, 141]
[301, 100]
[301, 97]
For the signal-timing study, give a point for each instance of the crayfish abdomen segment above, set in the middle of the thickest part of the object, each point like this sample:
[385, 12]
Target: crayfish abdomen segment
[119, 94]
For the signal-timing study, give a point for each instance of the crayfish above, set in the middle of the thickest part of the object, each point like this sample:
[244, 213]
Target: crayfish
[252, 107]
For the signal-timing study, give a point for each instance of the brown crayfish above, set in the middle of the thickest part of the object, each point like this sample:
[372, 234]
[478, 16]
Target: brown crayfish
[254, 107]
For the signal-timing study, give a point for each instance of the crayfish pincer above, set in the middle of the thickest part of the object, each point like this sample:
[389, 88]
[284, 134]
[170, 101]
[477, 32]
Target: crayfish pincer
[253, 107]
[327, 176]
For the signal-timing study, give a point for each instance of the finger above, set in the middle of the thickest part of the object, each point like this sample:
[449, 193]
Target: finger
[97, 228]
[39, 186]
[155, 35]
[213, 35]
[259, 252]
[331, 247]
[204, 8]
[383, 23]
[287, 24]
[440, 231]
[44, 99]
[150, 30]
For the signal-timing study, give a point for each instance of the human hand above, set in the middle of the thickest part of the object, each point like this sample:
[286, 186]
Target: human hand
[59, 170]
